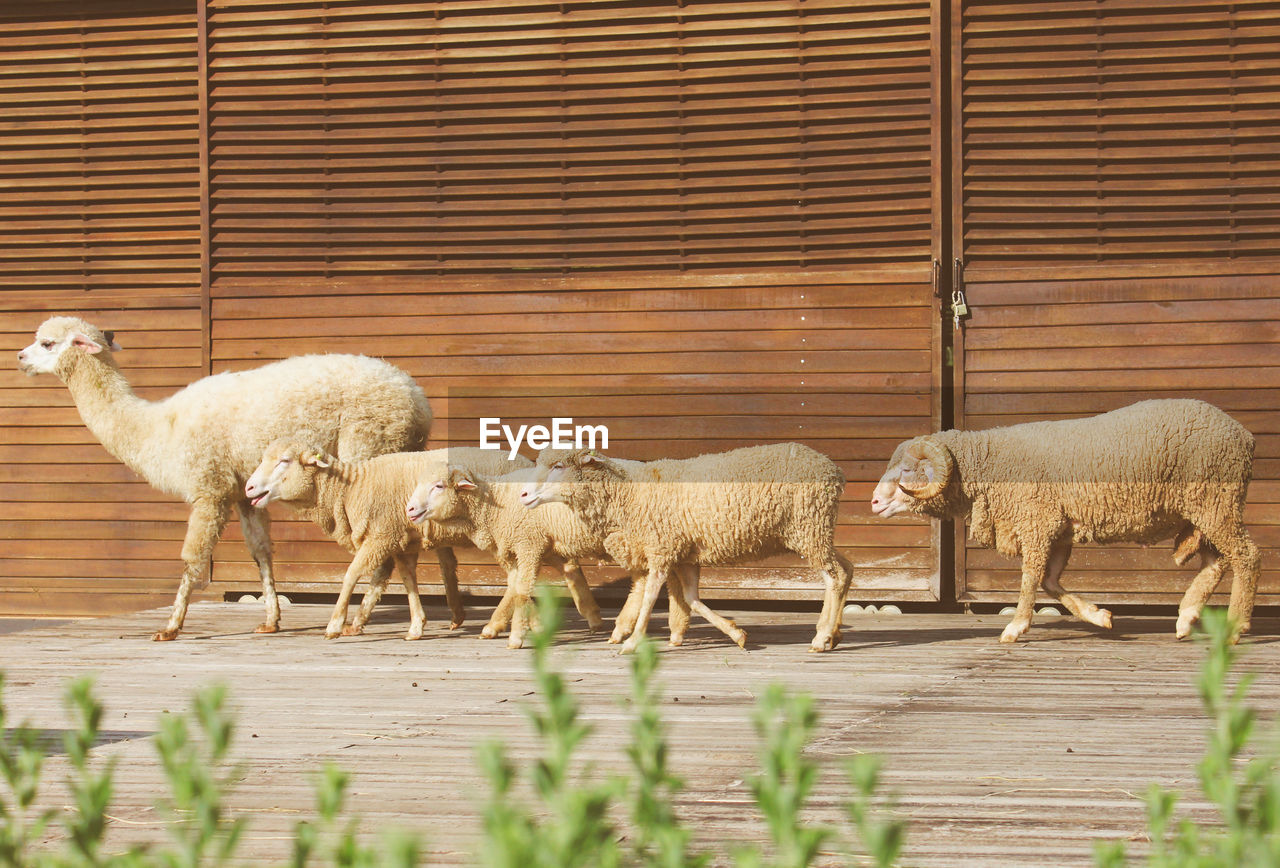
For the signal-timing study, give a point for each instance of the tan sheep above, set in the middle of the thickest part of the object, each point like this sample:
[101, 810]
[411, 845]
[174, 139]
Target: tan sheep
[722, 508]
[488, 510]
[202, 442]
[360, 505]
[1148, 472]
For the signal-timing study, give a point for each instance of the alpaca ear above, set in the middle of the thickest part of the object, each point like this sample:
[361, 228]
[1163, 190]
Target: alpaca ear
[86, 343]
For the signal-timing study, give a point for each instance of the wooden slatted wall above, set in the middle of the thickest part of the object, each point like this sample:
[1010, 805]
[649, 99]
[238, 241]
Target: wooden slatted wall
[99, 210]
[705, 225]
[1117, 180]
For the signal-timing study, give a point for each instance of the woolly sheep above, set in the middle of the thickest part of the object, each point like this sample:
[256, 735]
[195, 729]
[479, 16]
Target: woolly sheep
[202, 442]
[358, 505]
[488, 510]
[1143, 473]
[721, 508]
[496, 521]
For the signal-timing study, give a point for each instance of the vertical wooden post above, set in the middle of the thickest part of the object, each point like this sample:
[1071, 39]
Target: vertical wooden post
[206, 306]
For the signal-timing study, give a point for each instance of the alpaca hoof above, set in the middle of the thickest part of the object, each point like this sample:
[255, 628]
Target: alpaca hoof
[352, 630]
[267, 628]
[165, 636]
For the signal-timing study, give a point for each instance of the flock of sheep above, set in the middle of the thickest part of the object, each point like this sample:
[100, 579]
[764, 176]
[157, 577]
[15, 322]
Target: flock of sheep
[339, 438]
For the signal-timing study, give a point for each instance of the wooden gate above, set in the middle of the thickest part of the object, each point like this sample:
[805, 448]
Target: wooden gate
[1116, 183]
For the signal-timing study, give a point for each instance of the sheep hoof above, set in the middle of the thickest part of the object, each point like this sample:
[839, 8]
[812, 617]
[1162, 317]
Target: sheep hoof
[1104, 619]
[595, 626]
[740, 639]
[332, 634]
[165, 636]
[456, 623]
[489, 632]
[629, 646]
[267, 628]
[514, 642]
[675, 641]
[352, 630]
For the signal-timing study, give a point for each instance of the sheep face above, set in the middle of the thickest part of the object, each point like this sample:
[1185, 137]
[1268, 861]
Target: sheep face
[441, 498]
[58, 335]
[556, 475]
[287, 474]
[919, 472]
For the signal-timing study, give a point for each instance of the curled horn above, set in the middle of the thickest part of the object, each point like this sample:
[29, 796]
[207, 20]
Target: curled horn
[939, 459]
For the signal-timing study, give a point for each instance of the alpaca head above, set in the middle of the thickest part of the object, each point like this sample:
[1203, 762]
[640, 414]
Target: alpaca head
[64, 334]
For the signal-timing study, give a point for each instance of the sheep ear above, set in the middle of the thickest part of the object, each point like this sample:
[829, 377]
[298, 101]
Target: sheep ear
[590, 458]
[86, 343]
[464, 482]
[934, 463]
[315, 458]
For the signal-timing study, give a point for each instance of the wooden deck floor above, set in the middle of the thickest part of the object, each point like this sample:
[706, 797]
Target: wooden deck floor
[1000, 755]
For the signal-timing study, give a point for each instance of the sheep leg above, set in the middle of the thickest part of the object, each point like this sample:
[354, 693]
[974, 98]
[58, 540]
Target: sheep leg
[452, 596]
[1076, 605]
[625, 624]
[526, 573]
[678, 611]
[837, 575]
[1245, 564]
[365, 563]
[720, 622]
[256, 526]
[1035, 556]
[407, 565]
[501, 617]
[583, 600]
[677, 607]
[377, 585]
[204, 526]
[1202, 587]
[653, 583]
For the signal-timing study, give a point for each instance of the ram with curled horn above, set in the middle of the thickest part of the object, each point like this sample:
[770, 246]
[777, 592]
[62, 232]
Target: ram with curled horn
[1156, 470]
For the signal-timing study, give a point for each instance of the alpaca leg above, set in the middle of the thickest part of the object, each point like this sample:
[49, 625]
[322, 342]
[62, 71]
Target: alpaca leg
[365, 563]
[653, 583]
[678, 612]
[256, 526]
[1200, 590]
[1075, 604]
[204, 526]
[583, 600]
[452, 596]
[1035, 556]
[837, 575]
[720, 622]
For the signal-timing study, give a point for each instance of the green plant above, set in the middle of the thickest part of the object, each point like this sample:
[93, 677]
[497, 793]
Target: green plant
[572, 827]
[785, 724]
[1246, 792]
[882, 839]
[21, 763]
[660, 840]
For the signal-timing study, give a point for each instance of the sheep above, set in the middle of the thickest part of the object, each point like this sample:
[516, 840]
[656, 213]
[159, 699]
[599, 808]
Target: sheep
[202, 442]
[490, 513]
[358, 505]
[1143, 473]
[720, 508]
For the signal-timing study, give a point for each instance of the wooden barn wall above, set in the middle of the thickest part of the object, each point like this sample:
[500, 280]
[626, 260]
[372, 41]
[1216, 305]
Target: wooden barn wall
[703, 225]
[99, 209]
[1116, 212]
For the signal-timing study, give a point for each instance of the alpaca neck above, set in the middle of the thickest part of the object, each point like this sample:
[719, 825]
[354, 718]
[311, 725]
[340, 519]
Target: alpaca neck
[124, 423]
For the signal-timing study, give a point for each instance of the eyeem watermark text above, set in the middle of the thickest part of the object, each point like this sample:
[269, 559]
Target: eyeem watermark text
[562, 434]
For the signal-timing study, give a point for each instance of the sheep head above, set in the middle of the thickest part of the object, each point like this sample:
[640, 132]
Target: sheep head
[60, 335]
[441, 496]
[558, 473]
[287, 473]
[919, 471]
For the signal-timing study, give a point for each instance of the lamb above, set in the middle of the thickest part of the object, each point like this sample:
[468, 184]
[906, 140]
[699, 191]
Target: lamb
[1144, 473]
[358, 505]
[202, 442]
[488, 511]
[721, 508]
